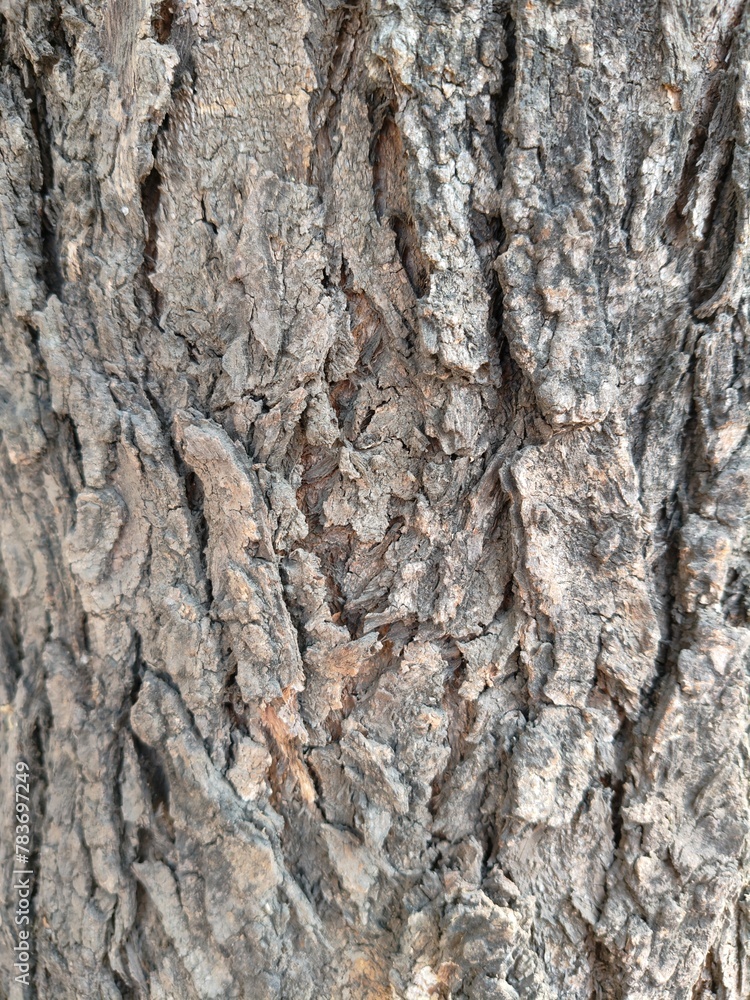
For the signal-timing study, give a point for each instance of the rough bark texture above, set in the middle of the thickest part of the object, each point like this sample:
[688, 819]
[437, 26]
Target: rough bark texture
[374, 474]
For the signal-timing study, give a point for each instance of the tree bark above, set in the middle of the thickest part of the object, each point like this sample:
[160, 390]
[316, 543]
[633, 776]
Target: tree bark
[374, 473]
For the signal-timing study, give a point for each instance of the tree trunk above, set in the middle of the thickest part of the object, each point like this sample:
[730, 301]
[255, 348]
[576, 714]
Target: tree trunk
[374, 472]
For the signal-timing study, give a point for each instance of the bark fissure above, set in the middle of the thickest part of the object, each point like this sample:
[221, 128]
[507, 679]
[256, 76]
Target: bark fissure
[150, 199]
[374, 557]
[51, 272]
[391, 195]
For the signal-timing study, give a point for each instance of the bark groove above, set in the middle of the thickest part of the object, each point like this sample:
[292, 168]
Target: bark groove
[374, 467]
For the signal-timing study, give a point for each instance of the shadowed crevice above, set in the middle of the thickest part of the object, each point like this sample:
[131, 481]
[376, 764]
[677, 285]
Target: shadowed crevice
[50, 273]
[390, 188]
[150, 199]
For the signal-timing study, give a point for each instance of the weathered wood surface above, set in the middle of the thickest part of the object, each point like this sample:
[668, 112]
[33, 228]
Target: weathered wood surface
[374, 476]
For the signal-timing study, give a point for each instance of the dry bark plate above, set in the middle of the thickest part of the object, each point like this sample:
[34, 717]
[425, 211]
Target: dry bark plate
[374, 473]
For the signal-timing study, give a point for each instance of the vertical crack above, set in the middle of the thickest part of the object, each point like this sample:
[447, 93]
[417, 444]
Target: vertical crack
[617, 789]
[502, 100]
[391, 192]
[162, 23]
[50, 274]
[490, 141]
[195, 499]
[501, 104]
[671, 522]
[150, 199]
